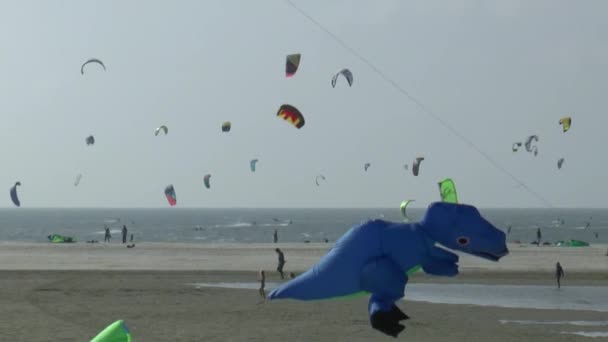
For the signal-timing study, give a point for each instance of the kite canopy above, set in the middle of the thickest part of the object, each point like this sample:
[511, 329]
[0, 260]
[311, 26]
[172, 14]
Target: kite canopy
[528, 145]
[90, 140]
[170, 194]
[516, 146]
[566, 121]
[115, 332]
[292, 115]
[560, 162]
[77, 180]
[56, 238]
[366, 166]
[226, 126]
[292, 63]
[14, 196]
[572, 243]
[416, 165]
[403, 208]
[161, 128]
[252, 164]
[346, 73]
[318, 178]
[207, 180]
[447, 190]
[92, 60]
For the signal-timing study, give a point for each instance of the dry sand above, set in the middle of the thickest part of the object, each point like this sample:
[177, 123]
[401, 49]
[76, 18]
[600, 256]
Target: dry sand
[47, 294]
[252, 257]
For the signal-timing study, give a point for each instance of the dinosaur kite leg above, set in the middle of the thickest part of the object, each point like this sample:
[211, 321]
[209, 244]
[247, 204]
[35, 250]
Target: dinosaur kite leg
[386, 282]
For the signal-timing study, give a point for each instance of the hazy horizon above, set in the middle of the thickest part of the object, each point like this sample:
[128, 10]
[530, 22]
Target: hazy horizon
[495, 71]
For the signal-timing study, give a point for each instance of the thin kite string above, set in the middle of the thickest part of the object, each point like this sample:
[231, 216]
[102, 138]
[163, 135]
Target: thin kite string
[422, 108]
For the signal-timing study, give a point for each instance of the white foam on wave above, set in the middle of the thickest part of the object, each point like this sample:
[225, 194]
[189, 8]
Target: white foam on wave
[577, 323]
[587, 333]
[112, 231]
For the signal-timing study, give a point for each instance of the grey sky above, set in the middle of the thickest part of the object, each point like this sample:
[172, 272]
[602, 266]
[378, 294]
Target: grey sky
[497, 71]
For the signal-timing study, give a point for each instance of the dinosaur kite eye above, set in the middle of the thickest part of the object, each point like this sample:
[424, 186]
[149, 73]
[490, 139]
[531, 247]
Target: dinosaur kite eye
[463, 240]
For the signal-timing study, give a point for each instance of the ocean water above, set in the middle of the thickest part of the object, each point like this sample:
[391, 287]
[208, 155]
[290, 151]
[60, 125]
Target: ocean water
[257, 225]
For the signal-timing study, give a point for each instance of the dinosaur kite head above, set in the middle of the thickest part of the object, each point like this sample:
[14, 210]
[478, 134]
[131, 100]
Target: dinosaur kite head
[461, 227]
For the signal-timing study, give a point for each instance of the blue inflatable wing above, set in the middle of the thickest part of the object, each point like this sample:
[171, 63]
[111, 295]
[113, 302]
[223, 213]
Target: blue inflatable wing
[377, 256]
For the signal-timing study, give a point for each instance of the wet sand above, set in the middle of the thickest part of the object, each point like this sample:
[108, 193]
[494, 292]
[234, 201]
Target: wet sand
[71, 292]
[161, 306]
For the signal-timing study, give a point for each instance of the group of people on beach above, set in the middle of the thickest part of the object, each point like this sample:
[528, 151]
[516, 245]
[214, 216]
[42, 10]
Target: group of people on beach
[108, 236]
[280, 265]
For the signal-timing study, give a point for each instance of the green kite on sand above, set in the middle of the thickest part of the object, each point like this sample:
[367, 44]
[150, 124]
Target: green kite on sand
[56, 238]
[115, 332]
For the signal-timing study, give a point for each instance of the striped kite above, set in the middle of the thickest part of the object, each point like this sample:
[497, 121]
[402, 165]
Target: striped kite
[292, 115]
[170, 194]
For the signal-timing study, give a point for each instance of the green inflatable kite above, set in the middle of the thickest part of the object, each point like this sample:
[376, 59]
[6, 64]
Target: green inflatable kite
[56, 238]
[115, 332]
[447, 190]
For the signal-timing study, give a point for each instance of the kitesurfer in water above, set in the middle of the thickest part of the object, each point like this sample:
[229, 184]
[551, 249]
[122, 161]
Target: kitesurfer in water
[281, 262]
[539, 235]
[262, 278]
[275, 236]
[559, 274]
[108, 236]
[124, 234]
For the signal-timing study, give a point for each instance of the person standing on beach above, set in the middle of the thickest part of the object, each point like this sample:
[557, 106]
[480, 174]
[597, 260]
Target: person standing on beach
[281, 262]
[275, 236]
[539, 235]
[559, 274]
[107, 237]
[262, 278]
[124, 233]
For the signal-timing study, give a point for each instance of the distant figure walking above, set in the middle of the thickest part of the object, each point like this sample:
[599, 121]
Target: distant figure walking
[559, 274]
[281, 262]
[539, 235]
[275, 236]
[262, 278]
[124, 233]
[108, 236]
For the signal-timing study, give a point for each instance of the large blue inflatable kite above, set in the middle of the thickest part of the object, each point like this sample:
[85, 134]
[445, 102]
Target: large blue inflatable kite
[376, 257]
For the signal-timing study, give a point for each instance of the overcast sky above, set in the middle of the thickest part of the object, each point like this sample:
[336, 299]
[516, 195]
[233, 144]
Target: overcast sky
[496, 71]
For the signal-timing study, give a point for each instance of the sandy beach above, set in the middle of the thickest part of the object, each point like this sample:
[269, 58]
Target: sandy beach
[71, 292]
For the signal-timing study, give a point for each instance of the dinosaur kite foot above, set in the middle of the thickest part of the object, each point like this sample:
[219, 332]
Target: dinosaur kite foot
[388, 321]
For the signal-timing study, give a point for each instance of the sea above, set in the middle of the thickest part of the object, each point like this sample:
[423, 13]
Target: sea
[187, 225]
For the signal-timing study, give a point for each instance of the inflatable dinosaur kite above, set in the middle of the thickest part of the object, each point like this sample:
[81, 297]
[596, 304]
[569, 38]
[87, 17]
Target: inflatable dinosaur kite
[376, 257]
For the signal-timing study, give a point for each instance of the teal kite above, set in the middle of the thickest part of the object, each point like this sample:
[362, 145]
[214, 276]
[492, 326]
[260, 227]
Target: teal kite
[252, 164]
